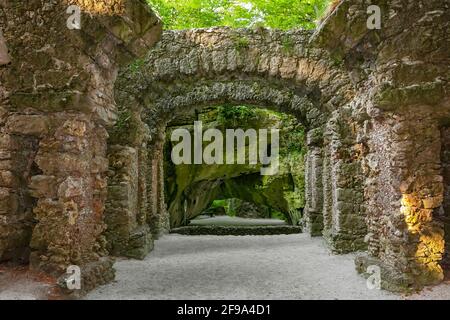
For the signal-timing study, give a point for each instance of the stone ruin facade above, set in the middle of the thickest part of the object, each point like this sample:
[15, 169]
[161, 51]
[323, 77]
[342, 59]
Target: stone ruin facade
[82, 175]
[56, 101]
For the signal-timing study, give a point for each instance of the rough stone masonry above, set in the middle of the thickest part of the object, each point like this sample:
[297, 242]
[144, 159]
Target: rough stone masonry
[56, 101]
[376, 105]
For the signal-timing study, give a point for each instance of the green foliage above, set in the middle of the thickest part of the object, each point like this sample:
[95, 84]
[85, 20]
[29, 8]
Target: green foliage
[235, 115]
[277, 215]
[123, 121]
[296, 141]
[219, 204]
[241, 43]
[279, 14]
[225, 203]
[288, 45]
[136, 66]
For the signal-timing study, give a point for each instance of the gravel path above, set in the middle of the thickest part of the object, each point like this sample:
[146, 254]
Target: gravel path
[21, 285]
[228, 267]
[246, 267]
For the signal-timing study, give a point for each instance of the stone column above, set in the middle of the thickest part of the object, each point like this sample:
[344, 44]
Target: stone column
[18, 146]
[128, 233]
[445, 214]
[122, 202]
[158, 216]
[313, 218]
[404, 195]
[70, 192]
[345, 226]
[54, 108]
[164, 225]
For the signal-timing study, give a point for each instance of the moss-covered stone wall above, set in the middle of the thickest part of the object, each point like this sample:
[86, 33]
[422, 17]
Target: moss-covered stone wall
[56, 100]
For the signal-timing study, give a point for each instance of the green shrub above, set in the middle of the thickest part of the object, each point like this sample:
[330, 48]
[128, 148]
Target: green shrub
[235, 115]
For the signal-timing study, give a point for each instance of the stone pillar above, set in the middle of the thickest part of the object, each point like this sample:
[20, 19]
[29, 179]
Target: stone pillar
[404, 194]
[54, 108]
[122, 202]
[313, 218]
[344, 227]
[70, 192]
[164, 225]
[128, 233]
[327, 184]
[18, 146]
[445, 214]
[158, 215]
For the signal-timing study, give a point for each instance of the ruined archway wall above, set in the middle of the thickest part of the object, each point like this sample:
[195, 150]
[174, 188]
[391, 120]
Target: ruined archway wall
[405, 193]
[402, 79]
[193, 68]
[342, 182]
[184, 58]
[56, 99]
[148, 123]
[256, 93]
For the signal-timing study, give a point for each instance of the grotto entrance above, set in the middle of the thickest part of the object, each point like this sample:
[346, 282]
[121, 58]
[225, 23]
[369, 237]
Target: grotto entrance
[241, 188]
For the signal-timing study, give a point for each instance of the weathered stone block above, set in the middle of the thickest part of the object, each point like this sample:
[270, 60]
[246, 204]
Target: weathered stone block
[61, 163]
[288, 69]
[43, 186]
[8, 179]
[4, 56]
[315, 137]
[71, 187]
[9, 202]
[6, 165]
[35, 125]
[7, 142]
[99, 164]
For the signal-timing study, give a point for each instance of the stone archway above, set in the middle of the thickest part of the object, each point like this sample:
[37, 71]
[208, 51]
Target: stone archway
[191, 69]
[361, 102]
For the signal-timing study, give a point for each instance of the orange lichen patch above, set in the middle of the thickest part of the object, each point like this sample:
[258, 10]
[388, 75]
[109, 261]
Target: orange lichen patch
[359, 150]
[100, 7]
[24, 271]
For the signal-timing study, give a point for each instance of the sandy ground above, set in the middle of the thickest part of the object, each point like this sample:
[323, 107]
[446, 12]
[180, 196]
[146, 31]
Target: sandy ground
[235, 221]
[228, 267]
[19, 284]
[246, 267]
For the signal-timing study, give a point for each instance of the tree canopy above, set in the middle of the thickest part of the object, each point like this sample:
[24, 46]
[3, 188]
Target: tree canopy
[278, 14]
